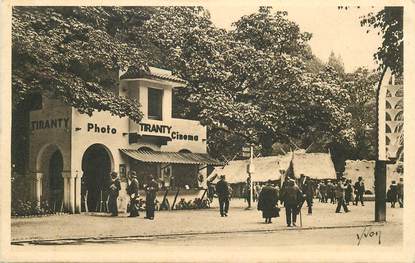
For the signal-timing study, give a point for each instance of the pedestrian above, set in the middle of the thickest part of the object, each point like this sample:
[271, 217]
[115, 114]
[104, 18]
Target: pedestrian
[331, 192]
[308, 191]
[222, 191]
[400, 192]
[359, 190]
[151, 193]
[393, 193]
[292, 197]
[339, 191]
[132, 191]
[248, 191]
[268, 201]
[257, 190]
[323, 191]
[114, 190]
[348, 192]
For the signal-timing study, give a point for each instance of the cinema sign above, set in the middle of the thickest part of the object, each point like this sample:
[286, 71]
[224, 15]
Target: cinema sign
[163, 130]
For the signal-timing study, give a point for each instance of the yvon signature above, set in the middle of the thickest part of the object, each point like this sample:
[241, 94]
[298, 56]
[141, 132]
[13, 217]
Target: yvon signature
[368, 233]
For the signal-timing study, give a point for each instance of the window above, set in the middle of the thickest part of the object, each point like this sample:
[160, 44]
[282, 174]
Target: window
[155, 104]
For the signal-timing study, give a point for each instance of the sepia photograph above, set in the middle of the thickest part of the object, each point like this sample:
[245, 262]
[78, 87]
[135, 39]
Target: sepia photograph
[206, 133]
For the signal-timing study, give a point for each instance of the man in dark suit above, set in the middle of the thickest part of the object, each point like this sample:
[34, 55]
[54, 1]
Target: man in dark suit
[291, 197]
[222, 190]
[151, 192]
[132, 191]
[359, 190]
[308, 190]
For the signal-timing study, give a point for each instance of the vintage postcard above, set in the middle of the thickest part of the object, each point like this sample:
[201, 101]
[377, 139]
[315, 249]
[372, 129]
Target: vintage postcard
[207, 131]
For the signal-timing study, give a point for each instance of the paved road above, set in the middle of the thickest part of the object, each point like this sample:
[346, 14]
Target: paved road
[184, 222]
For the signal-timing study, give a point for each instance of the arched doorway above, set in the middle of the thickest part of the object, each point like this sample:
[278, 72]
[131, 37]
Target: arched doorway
[97, 163]
[55, 181]
[49, 190]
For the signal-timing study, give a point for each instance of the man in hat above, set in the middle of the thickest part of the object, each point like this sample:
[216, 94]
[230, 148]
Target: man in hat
[400, 192]
[222, 191]
[339, 192]
[359, 190]
[151, 193]
[308, 190]
[132, 191]
[291, 196]
[330, 192]
[393, 193]
[114, 190]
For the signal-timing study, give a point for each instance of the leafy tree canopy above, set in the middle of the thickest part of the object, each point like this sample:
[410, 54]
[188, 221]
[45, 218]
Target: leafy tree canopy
[390, 23]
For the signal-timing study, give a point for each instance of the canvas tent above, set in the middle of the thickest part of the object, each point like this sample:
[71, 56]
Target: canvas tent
[266, 168]
[366, 169]
[315, 165]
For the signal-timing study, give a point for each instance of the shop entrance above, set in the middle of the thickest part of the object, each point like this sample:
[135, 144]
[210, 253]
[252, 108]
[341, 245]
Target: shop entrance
[55, 181]
[96, 167]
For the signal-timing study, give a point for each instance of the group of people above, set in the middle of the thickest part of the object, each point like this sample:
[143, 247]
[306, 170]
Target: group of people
[132, 190]
[294, 196]
[326, 191]
[395, 193]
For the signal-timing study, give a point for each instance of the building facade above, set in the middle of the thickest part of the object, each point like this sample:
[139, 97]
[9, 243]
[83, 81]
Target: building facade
[72, 154]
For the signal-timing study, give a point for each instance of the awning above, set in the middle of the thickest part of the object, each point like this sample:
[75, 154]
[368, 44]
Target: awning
[170, 157]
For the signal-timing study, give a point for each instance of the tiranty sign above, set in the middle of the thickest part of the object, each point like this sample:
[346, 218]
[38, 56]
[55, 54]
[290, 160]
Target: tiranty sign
[165, 131]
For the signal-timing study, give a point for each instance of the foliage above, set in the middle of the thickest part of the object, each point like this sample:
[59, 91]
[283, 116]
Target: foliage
[390, 23]
[336, 63]
[75, 53]
[250, 83]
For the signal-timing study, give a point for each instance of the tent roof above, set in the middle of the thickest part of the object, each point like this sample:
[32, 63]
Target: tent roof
[170, 157]
[314, 165]
[266, 168]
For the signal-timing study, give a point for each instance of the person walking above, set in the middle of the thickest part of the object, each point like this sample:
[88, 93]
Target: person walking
[393, 193]
[132, 191]
[323, 191]
[248, 191]
[339, 192]
[151, 193]
[267, 202]
[331, 192]
[222, 191]
[291, 196]
[400, 192]
[308, 191]
[359, 190]
[114, 190]
[348, 192]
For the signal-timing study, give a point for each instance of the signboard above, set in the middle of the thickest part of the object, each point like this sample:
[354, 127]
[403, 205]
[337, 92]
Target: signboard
[165, 130]
[246, 151]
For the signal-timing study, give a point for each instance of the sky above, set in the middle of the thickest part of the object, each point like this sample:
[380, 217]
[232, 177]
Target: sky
[333, 30]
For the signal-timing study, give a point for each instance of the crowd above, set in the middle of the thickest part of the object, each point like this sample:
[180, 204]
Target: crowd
[294, 194]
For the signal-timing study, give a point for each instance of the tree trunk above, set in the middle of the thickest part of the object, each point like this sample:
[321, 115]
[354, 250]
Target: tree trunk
[266, 141]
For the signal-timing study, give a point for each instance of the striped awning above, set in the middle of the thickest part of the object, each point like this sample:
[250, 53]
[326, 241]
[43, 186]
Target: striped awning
[170, 157]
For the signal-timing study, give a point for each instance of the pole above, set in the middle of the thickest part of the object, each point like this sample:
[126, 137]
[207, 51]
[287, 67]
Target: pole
[380, 164]
[251, 171]
[380, 191]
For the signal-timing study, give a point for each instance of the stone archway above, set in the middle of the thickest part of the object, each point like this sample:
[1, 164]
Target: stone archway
[97, 164]
[48, 180]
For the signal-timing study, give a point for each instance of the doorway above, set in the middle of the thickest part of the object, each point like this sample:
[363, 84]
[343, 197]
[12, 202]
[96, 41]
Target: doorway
[96, 167]
[55, 182]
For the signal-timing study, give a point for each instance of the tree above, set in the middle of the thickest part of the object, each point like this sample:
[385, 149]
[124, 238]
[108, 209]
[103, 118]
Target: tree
[75, 53]
[336, 63]
[390, 23]
[251, 82]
